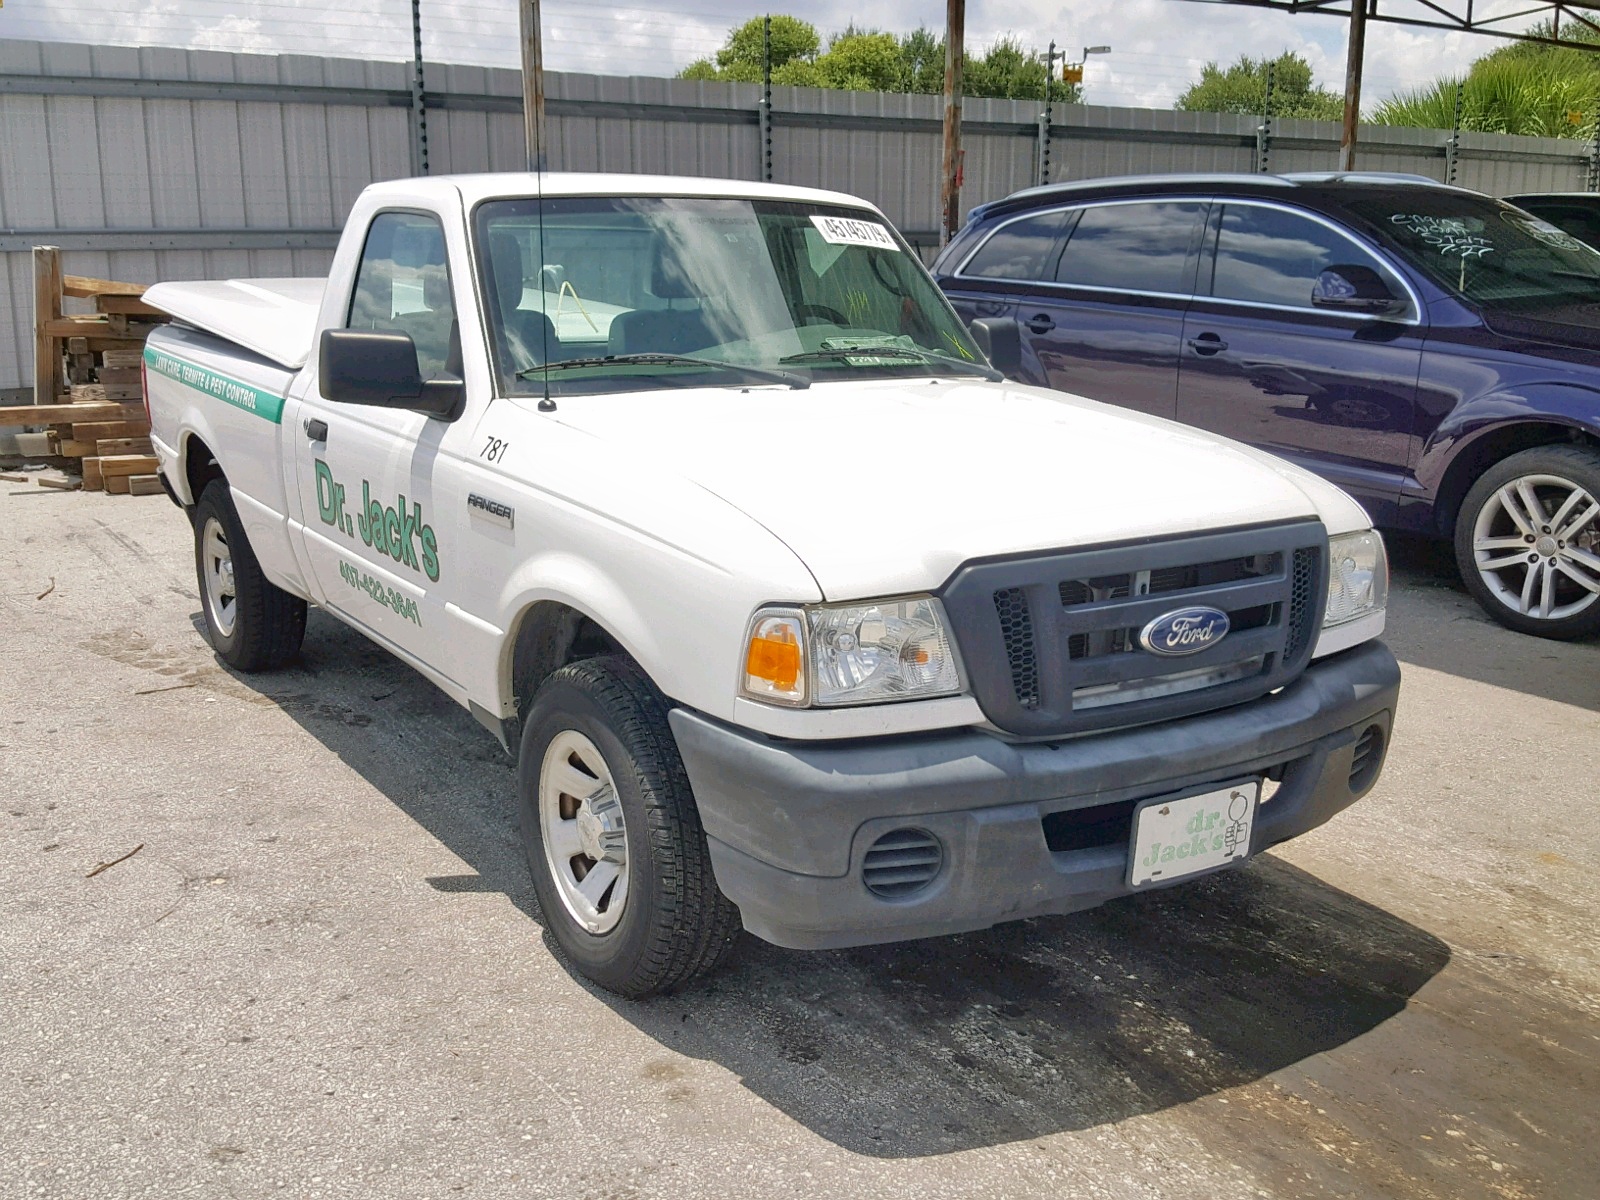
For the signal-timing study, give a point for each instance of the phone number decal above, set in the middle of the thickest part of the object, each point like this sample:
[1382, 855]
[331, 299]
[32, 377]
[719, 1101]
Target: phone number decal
[404, 605]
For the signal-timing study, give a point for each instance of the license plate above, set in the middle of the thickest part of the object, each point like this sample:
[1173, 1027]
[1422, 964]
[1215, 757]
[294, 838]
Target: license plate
[1174, 838]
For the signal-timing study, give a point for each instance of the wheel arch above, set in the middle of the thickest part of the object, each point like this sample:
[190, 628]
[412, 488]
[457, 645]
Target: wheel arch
[1476, 454]
[198, 465]
[547, 635]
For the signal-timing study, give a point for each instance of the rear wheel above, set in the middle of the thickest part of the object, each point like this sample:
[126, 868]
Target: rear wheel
[251, 624]
[1528, 542]
[612, 835]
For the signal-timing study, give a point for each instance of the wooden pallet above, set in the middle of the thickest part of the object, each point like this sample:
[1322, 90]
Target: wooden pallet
[88, 379]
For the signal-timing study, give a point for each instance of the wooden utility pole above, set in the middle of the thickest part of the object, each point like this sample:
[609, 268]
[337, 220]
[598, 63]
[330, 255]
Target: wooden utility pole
[532, 85]
[950, 196]
[1352, 83]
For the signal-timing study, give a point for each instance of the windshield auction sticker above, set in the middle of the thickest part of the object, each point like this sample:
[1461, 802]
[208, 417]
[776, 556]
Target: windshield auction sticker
[846, 231]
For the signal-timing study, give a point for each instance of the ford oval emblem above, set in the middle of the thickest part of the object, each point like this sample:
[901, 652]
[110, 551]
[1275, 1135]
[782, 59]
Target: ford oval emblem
[1185, 631]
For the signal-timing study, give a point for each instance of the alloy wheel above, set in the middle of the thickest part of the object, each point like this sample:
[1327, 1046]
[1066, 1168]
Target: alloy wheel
[1536, 547]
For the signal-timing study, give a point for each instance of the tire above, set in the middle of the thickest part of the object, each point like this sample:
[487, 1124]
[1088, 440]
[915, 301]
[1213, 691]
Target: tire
[256, 626]
[655, 921]
[1527, 542]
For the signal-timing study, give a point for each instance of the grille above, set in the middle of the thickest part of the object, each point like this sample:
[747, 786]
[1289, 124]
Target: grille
[1051, 643]
[1302, 599]
[1016, 626]
[902, 862]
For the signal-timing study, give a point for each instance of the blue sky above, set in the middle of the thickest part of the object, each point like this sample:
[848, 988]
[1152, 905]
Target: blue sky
[1158, 45]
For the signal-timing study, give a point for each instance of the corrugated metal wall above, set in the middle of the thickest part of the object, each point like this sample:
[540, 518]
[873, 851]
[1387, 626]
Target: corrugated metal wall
[149, 164]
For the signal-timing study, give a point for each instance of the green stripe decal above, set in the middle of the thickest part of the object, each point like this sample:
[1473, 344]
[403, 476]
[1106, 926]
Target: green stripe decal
[266, 405]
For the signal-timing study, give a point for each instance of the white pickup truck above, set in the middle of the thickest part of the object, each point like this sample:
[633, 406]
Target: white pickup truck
[699, 496]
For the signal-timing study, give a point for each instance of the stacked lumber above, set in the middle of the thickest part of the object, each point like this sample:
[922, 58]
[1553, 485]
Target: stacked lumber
[88, 381]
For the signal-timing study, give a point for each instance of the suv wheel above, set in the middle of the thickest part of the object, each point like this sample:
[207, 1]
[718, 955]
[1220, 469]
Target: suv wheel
[1528, 542]
[612, 834]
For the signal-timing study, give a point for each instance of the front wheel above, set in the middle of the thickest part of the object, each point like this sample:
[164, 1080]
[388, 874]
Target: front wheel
[1528, 542]
[612, 835]
[252, 624]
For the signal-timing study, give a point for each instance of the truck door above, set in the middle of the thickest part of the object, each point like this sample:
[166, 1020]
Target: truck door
[374, 484]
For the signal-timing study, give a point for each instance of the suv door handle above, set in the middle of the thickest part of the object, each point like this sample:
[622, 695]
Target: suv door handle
[316, 429]
[1040, 323]
[1207, 344]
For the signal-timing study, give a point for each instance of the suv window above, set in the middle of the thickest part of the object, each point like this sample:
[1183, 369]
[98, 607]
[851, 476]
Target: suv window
[1270, 256]
[403, 286]
[1582, 221]
[1024, 249]
[1132, 247]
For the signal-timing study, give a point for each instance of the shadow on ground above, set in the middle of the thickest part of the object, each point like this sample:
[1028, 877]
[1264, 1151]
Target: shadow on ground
[1434, 623]
[940, 1045]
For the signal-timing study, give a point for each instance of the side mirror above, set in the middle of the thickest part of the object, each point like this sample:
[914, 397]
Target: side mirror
[358, 366]
[1347, 287]
[1000, 341]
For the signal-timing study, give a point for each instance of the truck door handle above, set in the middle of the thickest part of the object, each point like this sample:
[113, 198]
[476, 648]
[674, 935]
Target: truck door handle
[1040, 323]
[1207, 344]
[316, 429]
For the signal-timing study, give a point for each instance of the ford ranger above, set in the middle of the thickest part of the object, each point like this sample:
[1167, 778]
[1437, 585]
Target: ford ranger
[796, 616]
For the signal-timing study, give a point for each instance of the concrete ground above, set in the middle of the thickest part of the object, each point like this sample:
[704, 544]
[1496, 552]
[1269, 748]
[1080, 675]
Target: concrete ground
[324, 972]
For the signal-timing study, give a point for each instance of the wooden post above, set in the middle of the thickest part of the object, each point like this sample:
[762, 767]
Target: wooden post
[533, 86]
[1352, 83]
[950, 197]
[46, 308]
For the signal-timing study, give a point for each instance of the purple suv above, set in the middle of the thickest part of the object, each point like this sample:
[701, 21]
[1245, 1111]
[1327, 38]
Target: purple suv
[1431, 350]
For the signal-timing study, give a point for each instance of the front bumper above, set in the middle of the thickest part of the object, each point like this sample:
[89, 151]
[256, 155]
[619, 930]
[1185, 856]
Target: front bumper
[789, 823]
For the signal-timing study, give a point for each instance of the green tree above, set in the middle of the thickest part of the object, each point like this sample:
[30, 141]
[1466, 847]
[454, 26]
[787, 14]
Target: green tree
[1525, 88]
[739, 60]
[1242, 88]
[858, 59]
[1007, 72]
[922, 62]
[861, 61]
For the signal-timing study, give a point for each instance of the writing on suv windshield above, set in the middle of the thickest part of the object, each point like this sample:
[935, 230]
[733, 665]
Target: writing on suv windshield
[599, 294]
[1489, 252]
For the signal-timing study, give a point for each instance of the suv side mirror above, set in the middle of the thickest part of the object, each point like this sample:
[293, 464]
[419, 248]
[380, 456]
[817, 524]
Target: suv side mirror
[358, 366]
[1348, 287]
[1000, 342]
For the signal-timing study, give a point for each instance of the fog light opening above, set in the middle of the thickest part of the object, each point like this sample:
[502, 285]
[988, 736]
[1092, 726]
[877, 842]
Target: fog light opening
[901, 863]
[1366, 759]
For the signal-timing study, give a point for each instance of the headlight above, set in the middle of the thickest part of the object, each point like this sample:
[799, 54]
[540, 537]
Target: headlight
[1358, 577]
[833, 654]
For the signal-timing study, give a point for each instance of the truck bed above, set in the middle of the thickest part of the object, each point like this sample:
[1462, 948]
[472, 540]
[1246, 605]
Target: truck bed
[275, 318]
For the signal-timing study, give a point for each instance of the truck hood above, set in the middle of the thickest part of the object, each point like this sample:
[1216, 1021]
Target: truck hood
[889, 487]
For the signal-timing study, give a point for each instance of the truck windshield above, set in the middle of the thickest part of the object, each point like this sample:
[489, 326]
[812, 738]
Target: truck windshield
[1491, 253]
[604, 294]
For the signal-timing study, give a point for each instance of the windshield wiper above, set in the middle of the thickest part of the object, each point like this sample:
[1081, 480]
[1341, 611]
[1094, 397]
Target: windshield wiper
[928, 356]
[787, 378]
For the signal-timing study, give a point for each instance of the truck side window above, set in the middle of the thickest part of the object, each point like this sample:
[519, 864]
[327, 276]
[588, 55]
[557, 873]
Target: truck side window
[403, 286]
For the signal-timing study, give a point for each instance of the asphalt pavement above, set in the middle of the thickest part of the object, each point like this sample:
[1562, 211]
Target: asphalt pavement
[323, 972]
